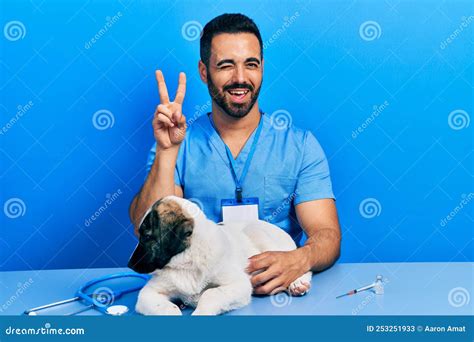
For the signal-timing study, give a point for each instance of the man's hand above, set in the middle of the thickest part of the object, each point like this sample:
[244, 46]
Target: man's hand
[169, 123]
[278, 271]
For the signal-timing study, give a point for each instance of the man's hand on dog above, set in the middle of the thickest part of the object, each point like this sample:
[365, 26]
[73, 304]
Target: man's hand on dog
[169, 123]
[275, 271]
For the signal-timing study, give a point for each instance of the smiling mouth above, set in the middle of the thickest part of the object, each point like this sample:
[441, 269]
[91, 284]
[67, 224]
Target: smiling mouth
[238, 95]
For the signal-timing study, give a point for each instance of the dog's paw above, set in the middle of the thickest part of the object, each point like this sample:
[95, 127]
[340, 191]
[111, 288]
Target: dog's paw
[159, 310]
[201, 312]
[301, 285]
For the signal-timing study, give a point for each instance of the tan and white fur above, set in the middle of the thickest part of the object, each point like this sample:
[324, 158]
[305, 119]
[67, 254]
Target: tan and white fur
[209, 274]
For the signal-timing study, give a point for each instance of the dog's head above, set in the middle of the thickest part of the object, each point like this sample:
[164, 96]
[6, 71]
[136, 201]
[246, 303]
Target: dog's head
[165, 231]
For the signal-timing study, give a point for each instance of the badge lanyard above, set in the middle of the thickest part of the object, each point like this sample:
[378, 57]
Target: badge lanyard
[239, 181]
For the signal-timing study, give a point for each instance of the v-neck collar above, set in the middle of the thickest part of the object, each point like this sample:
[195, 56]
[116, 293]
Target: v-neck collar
[219, 144]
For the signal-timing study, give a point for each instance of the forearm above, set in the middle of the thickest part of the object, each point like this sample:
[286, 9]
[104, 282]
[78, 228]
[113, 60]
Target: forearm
[321, 250]
[159, 183]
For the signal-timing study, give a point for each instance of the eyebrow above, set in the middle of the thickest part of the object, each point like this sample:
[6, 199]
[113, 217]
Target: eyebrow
[231, 61]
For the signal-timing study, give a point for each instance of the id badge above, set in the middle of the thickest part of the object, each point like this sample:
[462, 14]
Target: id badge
[233, 211]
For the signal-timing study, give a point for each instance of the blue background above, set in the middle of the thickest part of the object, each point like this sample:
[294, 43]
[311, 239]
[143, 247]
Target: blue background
[319, 68]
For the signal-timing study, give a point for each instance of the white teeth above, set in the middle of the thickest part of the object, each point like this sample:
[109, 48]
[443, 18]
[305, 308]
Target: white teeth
[238, 92]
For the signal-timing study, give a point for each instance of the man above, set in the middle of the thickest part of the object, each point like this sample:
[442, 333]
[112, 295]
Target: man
[235, 152]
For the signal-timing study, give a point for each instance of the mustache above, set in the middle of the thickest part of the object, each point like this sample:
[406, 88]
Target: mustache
[238, 86]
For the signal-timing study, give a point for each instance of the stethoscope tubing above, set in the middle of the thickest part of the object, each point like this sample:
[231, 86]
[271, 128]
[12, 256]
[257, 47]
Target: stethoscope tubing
[89, 298]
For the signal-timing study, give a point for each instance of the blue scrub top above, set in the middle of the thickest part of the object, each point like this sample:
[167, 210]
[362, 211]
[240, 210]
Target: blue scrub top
[289, 167]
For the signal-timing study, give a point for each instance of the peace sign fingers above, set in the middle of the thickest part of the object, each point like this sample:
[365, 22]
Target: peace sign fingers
[181, 88]
[169, 123]
[162, 90]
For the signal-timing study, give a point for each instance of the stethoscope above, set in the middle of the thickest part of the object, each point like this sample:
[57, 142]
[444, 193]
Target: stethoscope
[101, 298]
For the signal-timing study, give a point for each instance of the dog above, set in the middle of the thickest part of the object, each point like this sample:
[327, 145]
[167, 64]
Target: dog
[199, 262]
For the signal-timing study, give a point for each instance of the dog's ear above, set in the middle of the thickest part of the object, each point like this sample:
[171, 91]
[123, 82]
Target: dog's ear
[139, 261]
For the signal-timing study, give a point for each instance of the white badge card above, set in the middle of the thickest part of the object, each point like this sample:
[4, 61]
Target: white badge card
[246, 210]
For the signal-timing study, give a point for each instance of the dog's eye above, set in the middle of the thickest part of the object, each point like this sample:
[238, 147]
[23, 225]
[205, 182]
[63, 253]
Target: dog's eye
[188, 234]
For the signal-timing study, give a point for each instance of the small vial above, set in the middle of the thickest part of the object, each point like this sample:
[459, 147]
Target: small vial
[378, 286]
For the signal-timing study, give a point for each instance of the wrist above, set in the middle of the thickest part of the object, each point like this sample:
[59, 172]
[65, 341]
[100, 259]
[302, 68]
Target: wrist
[305, 257]
[167, 152]
[165, 159]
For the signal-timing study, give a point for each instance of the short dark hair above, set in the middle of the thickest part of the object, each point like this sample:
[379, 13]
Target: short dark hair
[226, 23]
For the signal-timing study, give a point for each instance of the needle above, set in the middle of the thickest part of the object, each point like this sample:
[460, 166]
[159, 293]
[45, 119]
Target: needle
[357, 290]
[378, 288]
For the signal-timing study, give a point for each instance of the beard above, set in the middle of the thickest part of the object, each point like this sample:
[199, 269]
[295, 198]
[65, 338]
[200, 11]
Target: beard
[233, 109]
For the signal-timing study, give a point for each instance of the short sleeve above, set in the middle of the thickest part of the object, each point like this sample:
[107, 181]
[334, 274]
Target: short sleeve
[314, 181]
[179, 164]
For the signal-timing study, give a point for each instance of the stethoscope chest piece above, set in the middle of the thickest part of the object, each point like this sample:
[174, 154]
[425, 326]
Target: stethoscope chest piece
[117, 310]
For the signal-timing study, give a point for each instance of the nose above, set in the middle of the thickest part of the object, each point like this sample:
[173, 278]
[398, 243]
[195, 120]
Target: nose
[239, 74]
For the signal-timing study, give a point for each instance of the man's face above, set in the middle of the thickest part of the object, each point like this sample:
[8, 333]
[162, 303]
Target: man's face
[234, 75]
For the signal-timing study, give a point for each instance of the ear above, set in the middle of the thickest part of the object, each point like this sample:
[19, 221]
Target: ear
[154, 219]
[140, 262]
[202, 71]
